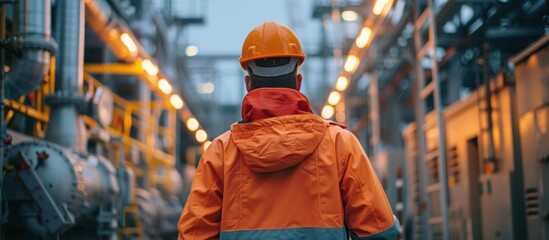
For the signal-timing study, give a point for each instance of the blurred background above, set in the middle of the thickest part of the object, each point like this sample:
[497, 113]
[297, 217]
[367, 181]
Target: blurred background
[108, 106]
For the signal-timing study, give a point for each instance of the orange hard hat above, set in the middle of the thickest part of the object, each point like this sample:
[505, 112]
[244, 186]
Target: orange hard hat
[269, 40]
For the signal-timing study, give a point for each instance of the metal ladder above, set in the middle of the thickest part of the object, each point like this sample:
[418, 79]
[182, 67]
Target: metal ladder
[427, 219]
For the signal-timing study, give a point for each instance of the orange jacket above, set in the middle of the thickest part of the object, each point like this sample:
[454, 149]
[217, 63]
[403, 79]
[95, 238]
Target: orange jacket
[291, 176]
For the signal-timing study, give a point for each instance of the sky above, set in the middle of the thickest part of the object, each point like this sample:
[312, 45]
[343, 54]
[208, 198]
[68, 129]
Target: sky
[229, 21]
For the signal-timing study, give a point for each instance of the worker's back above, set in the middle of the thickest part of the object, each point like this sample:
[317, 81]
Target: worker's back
[289, 177]
[283, 172]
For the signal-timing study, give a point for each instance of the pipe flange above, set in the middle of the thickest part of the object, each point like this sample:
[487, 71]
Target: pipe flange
[65, 98]
[48, 45]
[17, 43]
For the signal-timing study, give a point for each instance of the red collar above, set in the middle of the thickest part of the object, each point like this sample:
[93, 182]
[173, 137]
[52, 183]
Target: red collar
[273, 102]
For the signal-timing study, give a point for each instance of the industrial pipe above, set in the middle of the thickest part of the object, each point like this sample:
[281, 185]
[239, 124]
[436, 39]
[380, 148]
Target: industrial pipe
[100, 18]
[65, 127]
[33, 33]
[29, 214]
[488, 98]
[33, 227]
[69, 32]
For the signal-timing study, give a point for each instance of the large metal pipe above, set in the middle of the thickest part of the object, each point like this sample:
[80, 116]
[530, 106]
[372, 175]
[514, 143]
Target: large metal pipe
[65, 126]
[69, 32]
[33, 32]
[29, 214]
[102, 20]
[488, 98]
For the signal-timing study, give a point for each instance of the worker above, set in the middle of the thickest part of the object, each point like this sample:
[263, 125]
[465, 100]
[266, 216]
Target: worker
[284, 172]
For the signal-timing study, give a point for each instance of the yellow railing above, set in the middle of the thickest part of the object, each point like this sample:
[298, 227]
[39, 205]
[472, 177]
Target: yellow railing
[125, 116]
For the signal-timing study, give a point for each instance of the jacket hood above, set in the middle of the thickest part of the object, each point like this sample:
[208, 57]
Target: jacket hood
[278, 143]
[273, 102]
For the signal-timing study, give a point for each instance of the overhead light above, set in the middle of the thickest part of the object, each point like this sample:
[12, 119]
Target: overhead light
[364, 37]
[207, 144]
[334, 98]
[128, 41]
[342, 83]
[149, 67]
[351, 64]
[379, 6]
[349, 16]
[176, 101]
[327, 112]
[191, 51]
[164, 86]
[192, 124]
[201, 136]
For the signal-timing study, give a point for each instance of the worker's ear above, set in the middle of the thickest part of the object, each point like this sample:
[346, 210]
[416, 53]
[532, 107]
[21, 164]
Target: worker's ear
[298, 81]
[248, 82]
